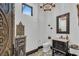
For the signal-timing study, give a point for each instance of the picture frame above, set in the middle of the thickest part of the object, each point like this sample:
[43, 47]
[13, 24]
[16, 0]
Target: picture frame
[63, 23]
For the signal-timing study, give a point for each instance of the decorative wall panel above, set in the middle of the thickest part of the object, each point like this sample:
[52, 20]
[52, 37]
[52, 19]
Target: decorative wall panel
[20, 41]
[6, 29]
[20, 45]
[20, 29]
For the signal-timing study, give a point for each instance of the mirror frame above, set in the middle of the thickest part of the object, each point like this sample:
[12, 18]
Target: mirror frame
[67, 24]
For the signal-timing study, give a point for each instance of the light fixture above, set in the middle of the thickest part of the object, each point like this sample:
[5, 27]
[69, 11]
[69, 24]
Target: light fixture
[47, 6]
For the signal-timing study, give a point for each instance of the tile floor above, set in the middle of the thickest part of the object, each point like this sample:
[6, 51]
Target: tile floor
[41, 53]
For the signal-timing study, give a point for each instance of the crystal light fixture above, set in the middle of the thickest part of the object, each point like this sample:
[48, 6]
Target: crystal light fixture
[47, 6]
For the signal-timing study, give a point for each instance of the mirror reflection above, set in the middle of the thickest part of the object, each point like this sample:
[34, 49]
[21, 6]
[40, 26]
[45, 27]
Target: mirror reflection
[62, 24]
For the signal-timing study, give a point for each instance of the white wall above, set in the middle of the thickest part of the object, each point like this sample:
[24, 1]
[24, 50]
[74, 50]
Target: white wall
[74, 28]
[30, 23]
[42, 26]
[36, 26]
[59, 10]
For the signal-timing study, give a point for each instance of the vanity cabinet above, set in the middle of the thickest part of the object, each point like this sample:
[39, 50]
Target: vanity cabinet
[60, 47]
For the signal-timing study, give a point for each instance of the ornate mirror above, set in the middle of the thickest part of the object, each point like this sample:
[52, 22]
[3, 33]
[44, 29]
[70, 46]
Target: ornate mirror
[63, 24]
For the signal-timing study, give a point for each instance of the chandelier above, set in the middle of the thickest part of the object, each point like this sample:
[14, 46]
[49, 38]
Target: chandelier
[47, 6]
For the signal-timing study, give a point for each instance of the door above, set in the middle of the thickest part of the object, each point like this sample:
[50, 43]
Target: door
[6, 28]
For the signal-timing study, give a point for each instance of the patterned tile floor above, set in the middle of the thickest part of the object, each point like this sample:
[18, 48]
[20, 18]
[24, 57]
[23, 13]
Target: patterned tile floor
[41, 53]
[49, 53]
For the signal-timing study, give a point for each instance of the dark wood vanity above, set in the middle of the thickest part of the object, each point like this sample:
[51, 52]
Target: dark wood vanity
[60, 47]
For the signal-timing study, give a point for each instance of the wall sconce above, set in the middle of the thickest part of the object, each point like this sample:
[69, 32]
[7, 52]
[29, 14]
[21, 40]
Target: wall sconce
[49, 37]
[49, 25]
[51, 28]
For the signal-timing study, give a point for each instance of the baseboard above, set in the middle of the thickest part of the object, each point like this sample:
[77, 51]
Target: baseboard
[33, 51]
[40, 47]
[51, 47]
[30, 52]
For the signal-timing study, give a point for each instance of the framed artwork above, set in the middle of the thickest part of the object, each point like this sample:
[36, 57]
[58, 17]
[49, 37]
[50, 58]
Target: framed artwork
[63, 24]
[20, 29]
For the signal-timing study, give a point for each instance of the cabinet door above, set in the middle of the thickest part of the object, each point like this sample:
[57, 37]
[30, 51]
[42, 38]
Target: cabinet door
[6, 28]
